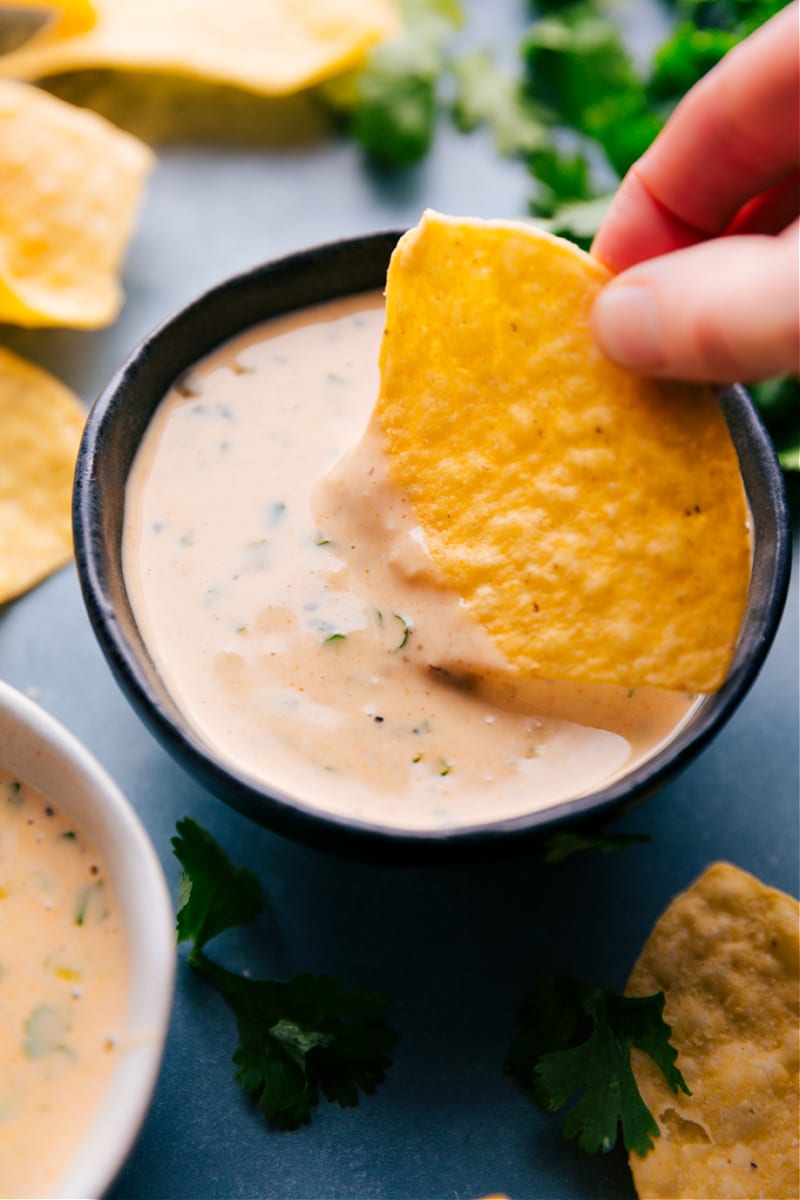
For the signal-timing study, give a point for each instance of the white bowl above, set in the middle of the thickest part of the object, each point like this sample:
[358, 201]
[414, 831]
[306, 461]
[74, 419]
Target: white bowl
[49, 759]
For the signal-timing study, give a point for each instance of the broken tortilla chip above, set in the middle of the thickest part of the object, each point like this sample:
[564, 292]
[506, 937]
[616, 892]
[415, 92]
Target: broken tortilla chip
[594, 522]
[270, 46]
[70, 184]
[41, 422]
[725, 953]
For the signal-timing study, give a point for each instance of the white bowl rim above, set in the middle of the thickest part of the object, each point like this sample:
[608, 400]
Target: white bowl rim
[47, 757]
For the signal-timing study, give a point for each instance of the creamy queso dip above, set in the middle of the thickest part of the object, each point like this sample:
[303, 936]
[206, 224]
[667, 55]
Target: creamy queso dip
[63, 989]
[282, 586]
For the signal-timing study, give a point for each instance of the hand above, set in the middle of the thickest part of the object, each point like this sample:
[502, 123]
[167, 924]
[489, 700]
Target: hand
[704, 226]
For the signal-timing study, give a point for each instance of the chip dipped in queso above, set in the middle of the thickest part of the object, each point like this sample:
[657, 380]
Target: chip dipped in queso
[285, 588]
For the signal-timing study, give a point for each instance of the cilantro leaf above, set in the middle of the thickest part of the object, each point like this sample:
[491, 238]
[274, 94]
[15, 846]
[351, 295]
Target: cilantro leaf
[578, 64]
[573, 1046]
[624, 126]
[778, 401]
[485, 96]
[685, 57]
[214, 895]
[573, 57]
[303, 1036]
[391, 102]
[551, 1018]
[579, 221]
[561, 845]
[395, 114]
[789, 457]
[296, 1038]
[741, 16]
[561, 178]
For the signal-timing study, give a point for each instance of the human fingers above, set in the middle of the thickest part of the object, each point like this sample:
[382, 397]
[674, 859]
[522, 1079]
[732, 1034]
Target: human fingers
[770, 212]
[718, 311]
[736, 134]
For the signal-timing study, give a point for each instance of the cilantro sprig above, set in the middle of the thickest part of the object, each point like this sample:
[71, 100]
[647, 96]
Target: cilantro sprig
[297, 1039]
[573, 1047]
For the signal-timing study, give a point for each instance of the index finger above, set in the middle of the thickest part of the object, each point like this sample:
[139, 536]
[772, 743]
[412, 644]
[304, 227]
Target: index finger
[735, 135]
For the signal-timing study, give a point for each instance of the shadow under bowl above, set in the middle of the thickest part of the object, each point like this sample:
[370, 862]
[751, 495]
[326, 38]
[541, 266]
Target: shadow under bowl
[112, 436]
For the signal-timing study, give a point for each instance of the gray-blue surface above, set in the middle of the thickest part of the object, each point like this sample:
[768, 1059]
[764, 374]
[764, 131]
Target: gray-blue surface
[453, 948]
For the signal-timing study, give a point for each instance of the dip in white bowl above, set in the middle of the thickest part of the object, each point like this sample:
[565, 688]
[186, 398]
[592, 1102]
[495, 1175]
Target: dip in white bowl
[87, 957]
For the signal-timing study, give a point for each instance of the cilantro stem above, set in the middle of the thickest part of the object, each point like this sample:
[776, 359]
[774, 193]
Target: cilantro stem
[407, 627]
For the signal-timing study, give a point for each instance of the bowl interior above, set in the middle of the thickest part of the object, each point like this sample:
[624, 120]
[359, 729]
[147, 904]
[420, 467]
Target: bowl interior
[41, 752]
[112, 437]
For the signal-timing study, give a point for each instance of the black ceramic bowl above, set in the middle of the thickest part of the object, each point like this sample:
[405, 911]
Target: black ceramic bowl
[111, 439]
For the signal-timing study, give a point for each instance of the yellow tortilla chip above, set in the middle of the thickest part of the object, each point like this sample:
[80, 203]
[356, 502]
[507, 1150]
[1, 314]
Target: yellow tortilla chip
[162, 109]
[269, 46]
[70, 185]
[594, 522]
[41, 423]
[64, 17]
[725, 953]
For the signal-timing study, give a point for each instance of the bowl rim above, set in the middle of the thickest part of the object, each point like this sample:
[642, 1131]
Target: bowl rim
[53, 761]
[280, 811]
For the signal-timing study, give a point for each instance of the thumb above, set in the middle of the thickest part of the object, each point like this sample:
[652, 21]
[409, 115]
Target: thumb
[718, 311]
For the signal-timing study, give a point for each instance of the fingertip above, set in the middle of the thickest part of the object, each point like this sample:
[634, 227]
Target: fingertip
[627, 326]
[723, 310]
[603, 241]
[616, 242]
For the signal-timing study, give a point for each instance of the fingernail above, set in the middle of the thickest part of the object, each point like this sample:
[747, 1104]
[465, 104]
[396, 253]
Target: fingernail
[627, 325]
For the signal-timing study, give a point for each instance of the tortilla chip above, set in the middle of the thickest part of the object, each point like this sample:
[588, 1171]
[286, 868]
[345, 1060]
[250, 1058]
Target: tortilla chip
[269, 46]
[63, 17]
[726, 955]
[69, 190]
[594, 522]
[41, 422]
[168, 109]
